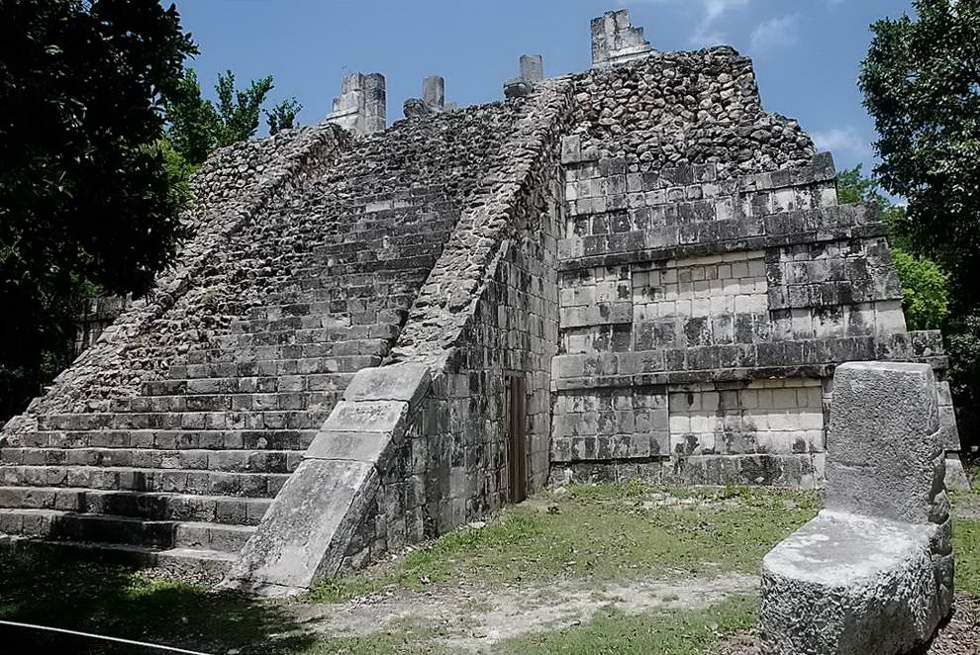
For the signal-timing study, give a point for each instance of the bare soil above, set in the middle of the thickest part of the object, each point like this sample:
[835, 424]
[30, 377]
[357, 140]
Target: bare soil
[470, 617]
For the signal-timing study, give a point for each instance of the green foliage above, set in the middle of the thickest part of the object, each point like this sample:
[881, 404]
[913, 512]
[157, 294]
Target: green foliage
[925, 298]
[85, 197]
[192, 120]
[179, 173]
[238, 111]
[197, 126]
[921, 81]
[283, 115]
[924, 283]
[963, 348]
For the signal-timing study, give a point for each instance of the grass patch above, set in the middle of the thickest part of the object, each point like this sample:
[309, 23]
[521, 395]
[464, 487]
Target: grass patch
[674, 632]
[966, 545]
[602, 532]
[401, 638]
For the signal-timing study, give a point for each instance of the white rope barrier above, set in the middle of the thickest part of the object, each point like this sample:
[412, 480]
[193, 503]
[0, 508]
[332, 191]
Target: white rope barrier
[171, 649]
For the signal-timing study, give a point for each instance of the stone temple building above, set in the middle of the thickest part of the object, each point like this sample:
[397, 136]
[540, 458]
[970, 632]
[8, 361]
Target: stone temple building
[379, 333]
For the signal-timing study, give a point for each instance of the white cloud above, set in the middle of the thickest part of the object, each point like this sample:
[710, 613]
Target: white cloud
[706, 32]
[781, 31]
[842, 140]
[714, 9]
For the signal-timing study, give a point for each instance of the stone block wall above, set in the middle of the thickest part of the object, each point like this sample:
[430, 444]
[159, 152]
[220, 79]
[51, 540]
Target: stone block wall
[709, 282]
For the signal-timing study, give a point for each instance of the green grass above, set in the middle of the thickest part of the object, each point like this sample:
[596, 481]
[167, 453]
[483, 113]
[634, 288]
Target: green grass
[674, 632]
[601, 532]
[399, 638]
[966, 544]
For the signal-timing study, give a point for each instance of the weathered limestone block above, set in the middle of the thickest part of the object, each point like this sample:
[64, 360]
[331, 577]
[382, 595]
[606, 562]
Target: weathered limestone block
[956, 478]
[362, 104]
[532, 72]
[307, 532]
[433, 100]
[304, 534]
[615, 40]
[873, 573]
[848, 584]
[532, 68]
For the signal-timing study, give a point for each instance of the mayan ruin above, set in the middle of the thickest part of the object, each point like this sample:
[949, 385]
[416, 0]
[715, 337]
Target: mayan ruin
[379, 333]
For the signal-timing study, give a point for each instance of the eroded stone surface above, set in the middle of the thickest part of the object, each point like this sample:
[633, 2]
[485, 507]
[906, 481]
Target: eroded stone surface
[317, 509]
[873, 573]
[846, 584]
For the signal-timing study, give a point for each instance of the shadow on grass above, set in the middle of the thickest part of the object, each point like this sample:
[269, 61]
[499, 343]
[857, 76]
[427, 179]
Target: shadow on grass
[49, 587]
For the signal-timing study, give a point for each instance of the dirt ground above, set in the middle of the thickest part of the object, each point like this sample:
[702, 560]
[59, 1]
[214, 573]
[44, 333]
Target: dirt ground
[469, 618]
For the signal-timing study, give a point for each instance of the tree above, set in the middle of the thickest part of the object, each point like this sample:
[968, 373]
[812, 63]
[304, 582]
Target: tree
[197, 126]
[921, 82]
[924, 283]
[283, 115]
[86, 197]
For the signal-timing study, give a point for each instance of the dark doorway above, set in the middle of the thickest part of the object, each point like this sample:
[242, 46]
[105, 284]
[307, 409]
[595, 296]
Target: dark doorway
[517, 436]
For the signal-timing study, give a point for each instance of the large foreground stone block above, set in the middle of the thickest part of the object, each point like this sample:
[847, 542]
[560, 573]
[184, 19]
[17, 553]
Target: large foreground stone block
[848, 585]
[884, 452]
[873, 573]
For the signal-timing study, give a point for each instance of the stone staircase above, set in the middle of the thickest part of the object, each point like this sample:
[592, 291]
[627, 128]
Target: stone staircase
[179, 475]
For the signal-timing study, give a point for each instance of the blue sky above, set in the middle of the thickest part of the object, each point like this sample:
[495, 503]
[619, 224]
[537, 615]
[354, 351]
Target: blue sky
[807, 52]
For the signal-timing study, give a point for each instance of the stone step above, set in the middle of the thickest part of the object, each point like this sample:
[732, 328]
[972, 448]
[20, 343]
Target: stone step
[278, 407]
[256, 348]
[233, 461]
[315, 281]
[241, 377]
[265, 414]
[220, 440]
[212, 536]
[100, 528]
[298, 337]
[396, 264]
[381, 254]
[199, 413]
[72, 526]
[193, 563]
[250, 354]
[149, 505]
[319, 386]
[386, 310]
[382, 239]
[182, 481]
[268, 364]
